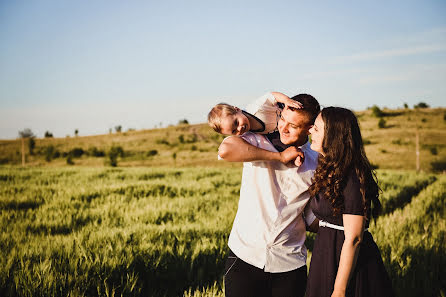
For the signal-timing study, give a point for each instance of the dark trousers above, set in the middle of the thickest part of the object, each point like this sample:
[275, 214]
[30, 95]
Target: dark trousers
[245, 280]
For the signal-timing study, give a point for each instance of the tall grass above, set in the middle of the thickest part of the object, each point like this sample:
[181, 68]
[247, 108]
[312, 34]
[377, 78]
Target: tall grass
[163, 231]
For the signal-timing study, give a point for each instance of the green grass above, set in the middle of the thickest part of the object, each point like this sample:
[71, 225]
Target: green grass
[128, 231]
[163, 231]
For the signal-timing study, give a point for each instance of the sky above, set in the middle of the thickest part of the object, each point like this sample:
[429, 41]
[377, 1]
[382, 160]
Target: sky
[93, 65]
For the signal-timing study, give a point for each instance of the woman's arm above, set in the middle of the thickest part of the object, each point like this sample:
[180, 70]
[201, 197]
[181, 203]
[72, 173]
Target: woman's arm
[353, 231]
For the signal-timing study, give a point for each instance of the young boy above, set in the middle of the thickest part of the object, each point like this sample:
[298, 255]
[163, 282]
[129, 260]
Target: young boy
[261, 116]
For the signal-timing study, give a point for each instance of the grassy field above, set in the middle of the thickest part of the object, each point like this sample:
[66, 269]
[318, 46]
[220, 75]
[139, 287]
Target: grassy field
[157, 222]
[163, 231]
[391, 147]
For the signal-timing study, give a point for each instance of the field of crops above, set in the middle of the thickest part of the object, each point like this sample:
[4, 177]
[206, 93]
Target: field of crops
[163, 231]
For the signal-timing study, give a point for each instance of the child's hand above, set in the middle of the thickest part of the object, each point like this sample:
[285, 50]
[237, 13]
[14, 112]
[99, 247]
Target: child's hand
[293, 103]
[282, 98]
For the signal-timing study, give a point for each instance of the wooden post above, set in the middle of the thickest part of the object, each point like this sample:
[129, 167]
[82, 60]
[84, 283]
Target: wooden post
[23, 151]
[417, 144]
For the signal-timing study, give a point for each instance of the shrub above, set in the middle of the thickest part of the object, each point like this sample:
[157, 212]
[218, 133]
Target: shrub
[421, 105]
[113, 154]
[49, 153]
[95, 152]
[382, 123]
[70, 160]
[118, 129]
[183, 122]
[162, 141]
[433, 150]
[48, 134]
[406, 106]
[31, 145]
[376, 111]
[76, 152]
[423, 120]
[152, 153]
[366, 141]
[439, 165]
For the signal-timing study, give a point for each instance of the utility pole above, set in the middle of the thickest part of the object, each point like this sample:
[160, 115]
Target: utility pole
[23, 151]
[417, 148]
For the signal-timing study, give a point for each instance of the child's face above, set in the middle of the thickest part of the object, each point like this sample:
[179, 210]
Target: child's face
[236, 124]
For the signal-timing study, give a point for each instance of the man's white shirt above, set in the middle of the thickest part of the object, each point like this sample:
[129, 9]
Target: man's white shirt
[269, 229]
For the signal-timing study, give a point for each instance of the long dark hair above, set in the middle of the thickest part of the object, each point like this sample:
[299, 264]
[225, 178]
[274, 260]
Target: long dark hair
[344, 155]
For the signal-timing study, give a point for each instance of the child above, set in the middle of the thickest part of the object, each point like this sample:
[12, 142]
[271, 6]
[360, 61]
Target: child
[261, 116]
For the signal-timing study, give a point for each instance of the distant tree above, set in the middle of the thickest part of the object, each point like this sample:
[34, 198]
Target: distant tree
[118, 129]
[183, 122]
[48, 134]
[382, 123]
[76, 132]
[421, 105]
[49, 153]
[376, 111]
[26, 133]
[113, 154]
[174, 157]
[31, 145]
[70, 160]
[406, 106]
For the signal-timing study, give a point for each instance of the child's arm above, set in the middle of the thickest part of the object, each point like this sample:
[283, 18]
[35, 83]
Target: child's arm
[282, 98]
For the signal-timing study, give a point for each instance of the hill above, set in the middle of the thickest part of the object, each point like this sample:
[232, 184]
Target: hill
[393, 146]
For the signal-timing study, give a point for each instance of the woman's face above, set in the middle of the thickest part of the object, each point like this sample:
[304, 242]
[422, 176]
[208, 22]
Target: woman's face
[236, 124]
[317, 135]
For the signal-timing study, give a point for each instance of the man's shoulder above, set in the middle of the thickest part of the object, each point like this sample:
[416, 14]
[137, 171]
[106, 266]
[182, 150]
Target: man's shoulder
[310, 155]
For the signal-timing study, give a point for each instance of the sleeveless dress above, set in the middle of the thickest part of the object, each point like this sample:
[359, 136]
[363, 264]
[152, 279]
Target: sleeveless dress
[369, 277]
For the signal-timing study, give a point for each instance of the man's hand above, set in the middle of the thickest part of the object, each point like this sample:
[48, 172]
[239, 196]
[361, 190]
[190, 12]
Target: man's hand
[292, 154]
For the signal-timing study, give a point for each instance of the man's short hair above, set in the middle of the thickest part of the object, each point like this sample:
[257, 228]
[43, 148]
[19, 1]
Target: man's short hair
[310, 106]
[217, 112]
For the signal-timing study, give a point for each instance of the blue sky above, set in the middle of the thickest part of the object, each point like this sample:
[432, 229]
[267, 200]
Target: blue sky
[92, 65]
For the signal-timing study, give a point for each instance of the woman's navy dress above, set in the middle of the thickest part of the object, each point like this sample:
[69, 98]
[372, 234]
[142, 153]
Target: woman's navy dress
[369, 277]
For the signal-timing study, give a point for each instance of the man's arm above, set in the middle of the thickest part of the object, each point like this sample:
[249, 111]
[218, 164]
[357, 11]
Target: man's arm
[236, 149]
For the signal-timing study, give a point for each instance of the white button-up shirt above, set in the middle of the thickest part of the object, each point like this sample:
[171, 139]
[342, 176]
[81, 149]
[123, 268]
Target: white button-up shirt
[269, 229]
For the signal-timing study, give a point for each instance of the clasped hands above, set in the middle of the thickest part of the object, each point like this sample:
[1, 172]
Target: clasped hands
[292, 155]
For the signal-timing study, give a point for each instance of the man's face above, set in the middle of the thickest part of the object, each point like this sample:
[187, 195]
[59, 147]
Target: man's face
[293, 127]
[236, 124]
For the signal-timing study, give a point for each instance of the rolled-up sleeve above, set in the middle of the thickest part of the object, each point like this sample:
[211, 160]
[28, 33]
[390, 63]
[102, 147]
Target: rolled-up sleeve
[265, 101]
[249, 137]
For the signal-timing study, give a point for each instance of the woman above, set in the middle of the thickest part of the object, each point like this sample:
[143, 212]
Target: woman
[345, 260]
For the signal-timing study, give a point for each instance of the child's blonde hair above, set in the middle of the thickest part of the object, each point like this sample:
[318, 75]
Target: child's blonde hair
[217, 112]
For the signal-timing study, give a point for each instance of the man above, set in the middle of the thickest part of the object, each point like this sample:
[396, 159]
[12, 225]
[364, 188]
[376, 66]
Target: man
[267, 253]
